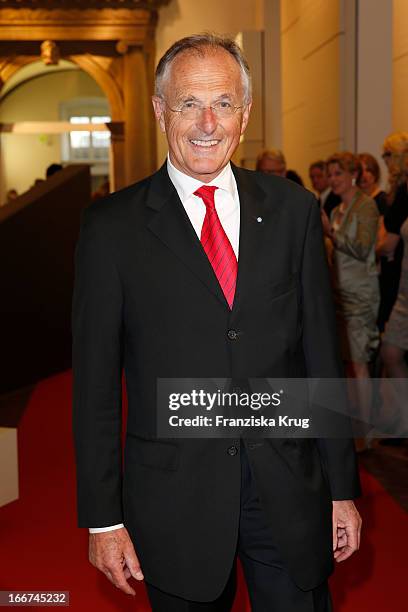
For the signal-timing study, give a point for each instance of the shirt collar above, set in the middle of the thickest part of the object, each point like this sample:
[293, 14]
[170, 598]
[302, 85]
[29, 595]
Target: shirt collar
[324, 195]
[186, 185]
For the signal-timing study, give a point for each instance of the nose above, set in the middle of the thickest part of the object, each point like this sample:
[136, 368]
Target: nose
[207, 121]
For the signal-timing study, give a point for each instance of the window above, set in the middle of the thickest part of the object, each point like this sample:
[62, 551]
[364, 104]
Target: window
[83, 146]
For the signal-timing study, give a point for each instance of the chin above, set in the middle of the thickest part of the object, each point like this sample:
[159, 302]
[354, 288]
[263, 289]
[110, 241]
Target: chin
[206, 166]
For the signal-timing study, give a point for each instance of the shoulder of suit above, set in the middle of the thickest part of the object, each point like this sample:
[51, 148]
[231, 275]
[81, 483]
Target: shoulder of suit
[119, 204]
[278, 186]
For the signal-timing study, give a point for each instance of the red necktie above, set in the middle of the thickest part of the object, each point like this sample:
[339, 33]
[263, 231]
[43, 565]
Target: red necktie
[217, 246]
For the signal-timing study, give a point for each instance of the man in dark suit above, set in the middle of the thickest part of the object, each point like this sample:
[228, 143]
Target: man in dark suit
[206, 270]
[326, 198]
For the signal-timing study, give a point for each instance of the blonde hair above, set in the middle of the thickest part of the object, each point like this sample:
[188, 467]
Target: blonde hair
[347, 162]
[274, 154]
[397, 145]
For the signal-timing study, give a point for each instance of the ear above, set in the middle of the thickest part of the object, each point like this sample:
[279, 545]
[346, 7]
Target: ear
[245, 116]
[159, 112]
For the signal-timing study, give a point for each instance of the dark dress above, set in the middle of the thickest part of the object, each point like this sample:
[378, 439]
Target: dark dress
[396, 332]
[390, 273]
[331, 202]
[381, 201]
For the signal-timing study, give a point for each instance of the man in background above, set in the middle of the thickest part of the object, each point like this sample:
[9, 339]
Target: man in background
[271, 161]
[326, 198]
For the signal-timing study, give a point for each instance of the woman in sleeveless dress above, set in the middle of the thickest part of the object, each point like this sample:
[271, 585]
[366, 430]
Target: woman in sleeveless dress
[352, 230]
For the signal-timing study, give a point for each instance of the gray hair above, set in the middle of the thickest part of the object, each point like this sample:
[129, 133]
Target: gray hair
[275, 154]
[200, 43]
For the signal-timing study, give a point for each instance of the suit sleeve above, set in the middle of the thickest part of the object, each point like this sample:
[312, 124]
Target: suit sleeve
[322, 355]
[97, 369]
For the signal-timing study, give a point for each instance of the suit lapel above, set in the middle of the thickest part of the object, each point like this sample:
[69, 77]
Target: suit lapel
[170, 223]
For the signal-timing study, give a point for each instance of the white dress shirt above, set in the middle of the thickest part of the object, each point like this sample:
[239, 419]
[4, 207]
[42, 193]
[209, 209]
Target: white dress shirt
[323, 196]
[227, 205]
[225, 197]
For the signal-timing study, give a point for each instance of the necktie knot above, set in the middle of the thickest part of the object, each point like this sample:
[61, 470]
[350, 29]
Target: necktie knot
[206, 193]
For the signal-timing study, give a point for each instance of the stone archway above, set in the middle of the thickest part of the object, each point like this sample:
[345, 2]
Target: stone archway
[111, 40]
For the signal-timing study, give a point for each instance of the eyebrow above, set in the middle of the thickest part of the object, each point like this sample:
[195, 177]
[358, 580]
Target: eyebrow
[185, 98]
[180, 99]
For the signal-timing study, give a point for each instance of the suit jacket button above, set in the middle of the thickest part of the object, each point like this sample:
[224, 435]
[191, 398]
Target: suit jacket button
[232, 450]
[232, 334]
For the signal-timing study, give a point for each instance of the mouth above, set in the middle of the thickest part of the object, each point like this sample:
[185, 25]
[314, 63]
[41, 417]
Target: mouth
[204, 144]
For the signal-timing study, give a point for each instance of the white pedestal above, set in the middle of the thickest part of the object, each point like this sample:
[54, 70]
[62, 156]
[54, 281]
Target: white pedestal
[8, 465]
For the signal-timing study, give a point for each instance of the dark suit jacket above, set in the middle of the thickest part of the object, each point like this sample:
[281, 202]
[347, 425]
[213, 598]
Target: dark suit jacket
[146, 299]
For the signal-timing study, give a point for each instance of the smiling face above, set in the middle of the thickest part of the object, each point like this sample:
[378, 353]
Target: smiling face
[340, 180]
[202, 147]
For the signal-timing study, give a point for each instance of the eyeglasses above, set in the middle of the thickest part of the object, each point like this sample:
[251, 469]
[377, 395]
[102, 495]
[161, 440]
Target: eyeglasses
[193, 110]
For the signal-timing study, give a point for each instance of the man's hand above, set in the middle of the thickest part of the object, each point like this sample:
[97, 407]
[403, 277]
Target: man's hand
[346, 529]
[112, 552]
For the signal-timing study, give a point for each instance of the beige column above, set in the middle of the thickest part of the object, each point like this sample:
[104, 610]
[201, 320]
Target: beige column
[348, 74]
[117, 176]
[272, 75]
[253, 140]
[139, 144]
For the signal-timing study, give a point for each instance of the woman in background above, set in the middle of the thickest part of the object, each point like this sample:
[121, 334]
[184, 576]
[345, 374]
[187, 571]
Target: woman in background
[352, 229]
[369, 183]
[395, 339]
[370, 179]
[389, 246]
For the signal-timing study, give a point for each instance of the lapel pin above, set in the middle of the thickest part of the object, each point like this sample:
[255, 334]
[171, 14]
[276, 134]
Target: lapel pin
[259, 219]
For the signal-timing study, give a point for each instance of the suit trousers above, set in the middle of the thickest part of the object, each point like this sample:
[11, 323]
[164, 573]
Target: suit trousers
[269, 585]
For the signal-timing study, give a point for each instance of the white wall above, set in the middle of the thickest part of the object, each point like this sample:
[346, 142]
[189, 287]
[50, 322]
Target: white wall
[24, 158]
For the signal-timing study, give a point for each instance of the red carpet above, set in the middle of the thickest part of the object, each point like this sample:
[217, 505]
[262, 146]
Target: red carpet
[41, 548]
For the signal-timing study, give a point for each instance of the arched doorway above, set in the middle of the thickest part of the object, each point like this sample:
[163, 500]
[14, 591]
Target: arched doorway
[52, 96]
[114, 45]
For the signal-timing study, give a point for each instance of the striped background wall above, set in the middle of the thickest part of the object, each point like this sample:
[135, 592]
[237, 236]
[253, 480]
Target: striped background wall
[310, 81]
